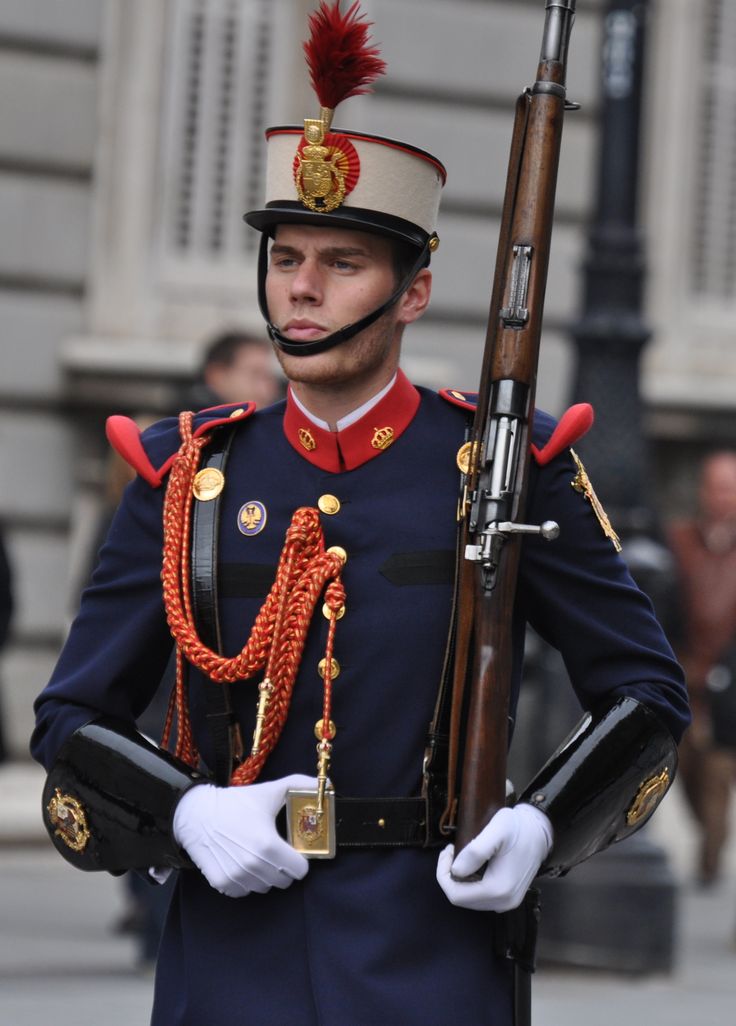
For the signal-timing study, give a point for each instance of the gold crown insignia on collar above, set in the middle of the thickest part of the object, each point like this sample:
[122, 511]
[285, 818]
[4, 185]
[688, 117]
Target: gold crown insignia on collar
[382, 438]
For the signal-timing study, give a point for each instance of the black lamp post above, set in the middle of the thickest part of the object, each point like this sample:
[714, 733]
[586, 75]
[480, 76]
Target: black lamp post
[617, 911]
[611, 333]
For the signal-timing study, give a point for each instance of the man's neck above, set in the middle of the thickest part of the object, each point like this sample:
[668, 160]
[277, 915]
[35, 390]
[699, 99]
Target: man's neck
[333, 405]
[351, 415]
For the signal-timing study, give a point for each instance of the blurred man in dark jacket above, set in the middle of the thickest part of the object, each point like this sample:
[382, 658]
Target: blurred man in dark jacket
[705, 555]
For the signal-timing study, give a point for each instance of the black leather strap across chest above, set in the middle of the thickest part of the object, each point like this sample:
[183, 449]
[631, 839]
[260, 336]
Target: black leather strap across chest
[205, 538]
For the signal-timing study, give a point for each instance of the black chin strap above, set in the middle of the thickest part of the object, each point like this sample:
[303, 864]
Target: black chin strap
[321, 345]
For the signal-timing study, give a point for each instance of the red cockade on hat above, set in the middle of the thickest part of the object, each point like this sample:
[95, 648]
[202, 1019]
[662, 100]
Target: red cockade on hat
[326, 173]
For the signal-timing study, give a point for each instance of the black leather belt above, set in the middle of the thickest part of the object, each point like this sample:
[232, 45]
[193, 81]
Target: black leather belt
[380, 823]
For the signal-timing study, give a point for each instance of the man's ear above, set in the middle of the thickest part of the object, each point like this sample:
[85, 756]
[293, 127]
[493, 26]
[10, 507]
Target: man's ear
[416, 298]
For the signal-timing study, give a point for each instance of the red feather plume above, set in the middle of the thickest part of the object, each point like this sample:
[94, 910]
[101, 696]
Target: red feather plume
[340, 60]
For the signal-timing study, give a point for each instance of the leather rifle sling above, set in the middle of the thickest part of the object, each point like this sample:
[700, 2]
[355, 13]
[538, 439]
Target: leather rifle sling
[205, 535]
[443, 742]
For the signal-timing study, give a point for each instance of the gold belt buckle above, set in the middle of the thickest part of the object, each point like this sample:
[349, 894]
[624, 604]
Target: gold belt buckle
[311, 832]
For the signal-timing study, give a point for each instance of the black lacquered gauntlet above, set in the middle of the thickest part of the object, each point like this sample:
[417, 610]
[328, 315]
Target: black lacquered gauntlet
[110, 797]
[604, 782]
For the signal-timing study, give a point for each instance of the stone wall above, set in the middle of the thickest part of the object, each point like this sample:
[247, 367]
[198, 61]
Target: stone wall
[106, 299]
[49, 62]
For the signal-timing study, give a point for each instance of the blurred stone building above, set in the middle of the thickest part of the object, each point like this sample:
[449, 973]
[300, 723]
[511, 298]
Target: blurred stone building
[131, 143]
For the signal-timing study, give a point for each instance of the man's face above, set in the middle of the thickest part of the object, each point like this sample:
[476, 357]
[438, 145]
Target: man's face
[320, 280]
[251, 376]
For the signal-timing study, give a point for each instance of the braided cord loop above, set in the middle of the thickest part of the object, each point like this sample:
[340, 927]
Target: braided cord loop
[279, 633]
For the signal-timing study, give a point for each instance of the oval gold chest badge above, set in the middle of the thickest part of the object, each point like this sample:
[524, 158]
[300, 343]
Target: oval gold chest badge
[252, 517]
[208, 483]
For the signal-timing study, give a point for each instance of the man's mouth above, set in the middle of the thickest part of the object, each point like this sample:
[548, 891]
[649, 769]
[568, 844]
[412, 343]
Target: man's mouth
[302, 330]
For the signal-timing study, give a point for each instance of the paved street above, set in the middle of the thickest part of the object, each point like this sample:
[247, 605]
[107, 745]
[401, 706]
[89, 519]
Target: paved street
[61, 964]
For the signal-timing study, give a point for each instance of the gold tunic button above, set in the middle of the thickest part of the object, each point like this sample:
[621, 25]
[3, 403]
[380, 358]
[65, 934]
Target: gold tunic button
[335, 667]
[329, 504]
[327, 612]
[237, 413]
[208, 483]
[331, 730]
[465, 454]
[338, 550]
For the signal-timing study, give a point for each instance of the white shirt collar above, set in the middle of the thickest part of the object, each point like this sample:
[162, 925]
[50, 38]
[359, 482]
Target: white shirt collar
[350, 418]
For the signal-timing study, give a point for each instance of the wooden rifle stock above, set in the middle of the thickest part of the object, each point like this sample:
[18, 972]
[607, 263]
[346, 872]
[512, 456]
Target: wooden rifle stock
[496, 480]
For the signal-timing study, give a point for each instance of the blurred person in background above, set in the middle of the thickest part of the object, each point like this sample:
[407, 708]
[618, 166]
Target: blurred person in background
[236, 367]
[704, 550]
[6, 612]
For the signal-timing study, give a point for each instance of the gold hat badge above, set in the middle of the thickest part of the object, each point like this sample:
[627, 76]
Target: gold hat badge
[341, 63]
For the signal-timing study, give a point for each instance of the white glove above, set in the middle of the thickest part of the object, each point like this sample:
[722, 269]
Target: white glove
[514, 844]
[230, 834]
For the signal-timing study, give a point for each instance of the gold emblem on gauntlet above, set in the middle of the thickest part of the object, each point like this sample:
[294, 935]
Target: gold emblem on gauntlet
[68, 818]
[648, 798]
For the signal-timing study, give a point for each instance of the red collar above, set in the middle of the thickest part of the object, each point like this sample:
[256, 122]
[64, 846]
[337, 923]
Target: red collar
[367, 438]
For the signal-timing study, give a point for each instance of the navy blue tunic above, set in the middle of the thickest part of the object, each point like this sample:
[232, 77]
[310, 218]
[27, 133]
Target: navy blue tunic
[368, 937]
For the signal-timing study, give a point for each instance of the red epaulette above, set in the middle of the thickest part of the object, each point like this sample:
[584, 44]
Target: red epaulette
[466, 400]
[124, 436]
[572, 425]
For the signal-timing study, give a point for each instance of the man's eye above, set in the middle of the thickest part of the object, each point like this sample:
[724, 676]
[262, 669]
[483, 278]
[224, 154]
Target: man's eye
[343, 265]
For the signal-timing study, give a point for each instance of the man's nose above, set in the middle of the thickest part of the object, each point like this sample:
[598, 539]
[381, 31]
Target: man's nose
[306, 283]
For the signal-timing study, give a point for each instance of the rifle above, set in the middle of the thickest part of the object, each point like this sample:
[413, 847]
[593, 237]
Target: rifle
[497, 452]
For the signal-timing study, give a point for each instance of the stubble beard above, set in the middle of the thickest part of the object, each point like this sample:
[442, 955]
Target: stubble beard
[347, 364]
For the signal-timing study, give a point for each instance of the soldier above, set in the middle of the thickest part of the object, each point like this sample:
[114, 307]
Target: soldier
[307, 583]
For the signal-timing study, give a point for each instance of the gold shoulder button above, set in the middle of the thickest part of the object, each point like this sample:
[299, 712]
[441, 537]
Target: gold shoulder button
[464, 455]
[208, 483]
